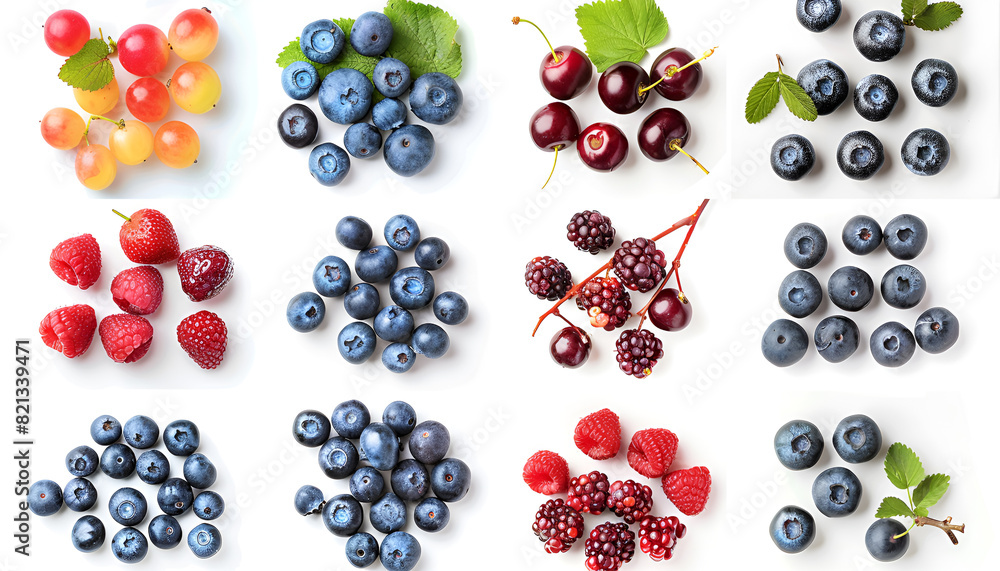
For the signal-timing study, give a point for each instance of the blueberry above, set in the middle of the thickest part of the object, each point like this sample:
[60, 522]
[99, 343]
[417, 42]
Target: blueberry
[925, 152]
[152, 467]
[400, 417]
[430, 340]
[391, 77]
[329, 164]
[409, 149]
[436, 98]
[398, 357]
[450, 480]
[129, 545]
[836, 492]
[862, 235]
[209, 505]
[903, 286]
[118, 461]
[380, 445]
[362, 549]
[792, 529]
[81, 461]
[105, 430]
[905, 236]
[784, 343]
[367, 484]
[127, 506]
[393, 324]
[429, 442]
[331, 277]
[879, 35]
[451, 308]
[305, 311]
[431, 515]
[164, 531]
[936, 330]
[363, 141]
[826, 84]
[88, 534]
[45, 498]
[322, 41]
[432, 253]
[205, 540]
[400, 551]
[79, 494]
[354, 233]
[850, 288]
[792, 157]
[401, 233]
[799, 294]
[389, 114]
[375, 265]
[371, 34]
[805, 245]
[798, 444]
[875, 97]
[141, 432]
[388, 514]
[181, 437]
[857, 439]
[299, 80]
[892, 344]
[935, 82]
[410, 480]
[350, 418]
[199, 471]
[836, 338]
[298, 126]
[338, 458]
[882, 540]
[345, 96]
[175, 496]
[356, 341]
[309, 500]
[817, 15]
[860, 155]
[343, 515]
[311, 428]
[412, 288]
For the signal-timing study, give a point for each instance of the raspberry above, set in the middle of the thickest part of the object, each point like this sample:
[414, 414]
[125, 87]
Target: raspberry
[639, 264]
[69, 330]
[658, 536]
[630, 500]
[138, 290]
[546, 473]
[203, 336]
[606, 301]
[558, 525]
[590, 231]
[547, 278]
[609, 546]
[652, 451]
[148, 237]
[77, 261]
[638, 351]
[588, 494]
[688, 489]
[126, 337]
[204, 272]
[599, 435]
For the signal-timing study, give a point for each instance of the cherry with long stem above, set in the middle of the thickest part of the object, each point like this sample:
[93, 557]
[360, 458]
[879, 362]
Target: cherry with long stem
[517, 20]
[675, 70]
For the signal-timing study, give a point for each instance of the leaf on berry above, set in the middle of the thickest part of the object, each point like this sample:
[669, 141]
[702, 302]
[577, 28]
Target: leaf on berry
[911, 8]
[930, 490]
[90, 68]
[903, 467]
[938, 16]
[763, 97]
[347, 58]
[423, 38]
[893, 507]
[620, 30]
[796, 98]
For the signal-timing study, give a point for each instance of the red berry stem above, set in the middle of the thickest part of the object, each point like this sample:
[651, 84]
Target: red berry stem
[122, 215]
[517, 20]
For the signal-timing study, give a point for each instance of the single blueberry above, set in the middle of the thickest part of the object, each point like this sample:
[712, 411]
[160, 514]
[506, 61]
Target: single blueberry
[862, 235]
[817, 15]
[88, 534]
[925, 152]
[322, 41]
[309, 500]
[44, 498]
[792, 529]
[892, 344]
[354, 233]
[401, 232]
[388, 514]
[391, 77]
[311, 428]
[431, 515]
[432, 253]
[127, 506]
[935, 82]
[356, 342]
[199, 471]
[329, 164]
[936, 330]
[350, 418]
[412, 288]
[398, 357]
[141, 432]
[792, 157]
[362, 549]
[343, 515]
[436, 98]
[331, 277]
[430, 340]
[784, 343]
[105, 430]
[409, 149]
[451, 308]
[118, 461]
[410, 480]
[205, 540]
[389, 114]
[175, 496]
[800, 294]
[375, 265]
[380, 445]
[903, 286]
[429, 442]
[129, 545]
[298, 126]
[905, 236]
[80, 494]
[400, 551]
[879, 35]
[400, 417]
[887, 540]
[826, 84]
[798, 444]
[305, 311]
[338, 458]
[393, 324]
[345, 96]
[152, 467]
[367, 484]
[209, 505]
[875, 97]
[857, 439]
[450, 480]
[836, 338]
[81, 461]
[165, 531]
[805, 245]
[363, 141]
[182, 438]
[371, 34]
[850, 288]
[860, 155]
[836, 492]
[299, 80]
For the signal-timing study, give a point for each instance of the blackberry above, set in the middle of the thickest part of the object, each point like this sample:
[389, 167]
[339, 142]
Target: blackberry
[547, 278]
[639, 265]
[638, 351]
[658, 536]
[630, 500]
[590, 231]
[606, 302]
[558, 525]
[588, 494]
[609, 546]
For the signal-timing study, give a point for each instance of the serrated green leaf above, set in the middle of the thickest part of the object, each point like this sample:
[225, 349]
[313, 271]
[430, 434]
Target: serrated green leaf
[930, 490]
[893, 507]
[921, 512]
[347, 58]
[911, 8]
[903, 467]
[938, 16]
[796, 98]
[763, 97]
[620, 30]
[424, 38]
[90, 68]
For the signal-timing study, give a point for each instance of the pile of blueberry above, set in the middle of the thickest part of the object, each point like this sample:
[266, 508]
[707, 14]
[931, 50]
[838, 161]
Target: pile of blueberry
[879, 36]
[380, 445]
[851, 289]
[411, 288]
[346, 96]
[128, 506]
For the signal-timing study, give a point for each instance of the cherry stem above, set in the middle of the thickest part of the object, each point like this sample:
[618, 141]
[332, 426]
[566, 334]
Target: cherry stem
[945, 526]
[675, 147]
[672, 71]
[517, 20]
[571, 324]
[554, 159]
[122, 215]
[780, 63]
[686, 221]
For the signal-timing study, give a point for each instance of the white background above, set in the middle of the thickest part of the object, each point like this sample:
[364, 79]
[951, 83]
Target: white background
[497, 389]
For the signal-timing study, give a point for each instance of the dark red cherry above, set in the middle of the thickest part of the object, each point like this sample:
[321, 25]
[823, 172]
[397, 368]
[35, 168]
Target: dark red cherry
[570, 347]
[554, 126]
[566, 75]
[602, 146]
[662, 133]
[670, 310]
[682, 84]
[622, 87]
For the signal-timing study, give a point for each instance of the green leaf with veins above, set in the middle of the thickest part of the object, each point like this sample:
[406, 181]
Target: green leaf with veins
[620, 30]
[911, 8]
[90, 68]
[892, 507]
[796, 98]
[424, 38]
[930, 490]
[938, 16]
[763, 97]
[903, 467]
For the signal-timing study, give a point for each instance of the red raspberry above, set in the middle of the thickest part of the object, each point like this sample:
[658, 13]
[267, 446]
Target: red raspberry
[546, 473]
[630, 500]
[148, 237]
[203, 335]
[126, 337]
[599, 435]
[688, 489]
[77, 261]
[138, 290]
[69, 330]
[652, 451]
[658, 536]
[588, 494]
[204, 272]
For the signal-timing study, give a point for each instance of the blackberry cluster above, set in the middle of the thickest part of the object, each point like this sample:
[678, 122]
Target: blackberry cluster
[547, 278]
[630, 500]
[588, 494]
[606, 302]
[558, 525]
[658, 536]
[609, 546]
[637, 352]
[639, 265]
[590, 231]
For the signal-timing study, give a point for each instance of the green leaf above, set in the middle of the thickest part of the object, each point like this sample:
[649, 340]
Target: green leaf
[796, 98]
[921, 512]
[90, 68]
[763, 97]
[347, 58]
[911, 8]
[620, 30]
[424, 38]
[938, 16]
[893, 506]
[903, 467]
[930, 490]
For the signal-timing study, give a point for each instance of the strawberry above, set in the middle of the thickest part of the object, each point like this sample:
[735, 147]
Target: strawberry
[203, 336]
[546, 473]
[77, 261]
[204, 272]
[652, 451]
[148, 237]
[599, 435]
[69, 330]
[688, 489]
[126, 337]
[138, 290]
